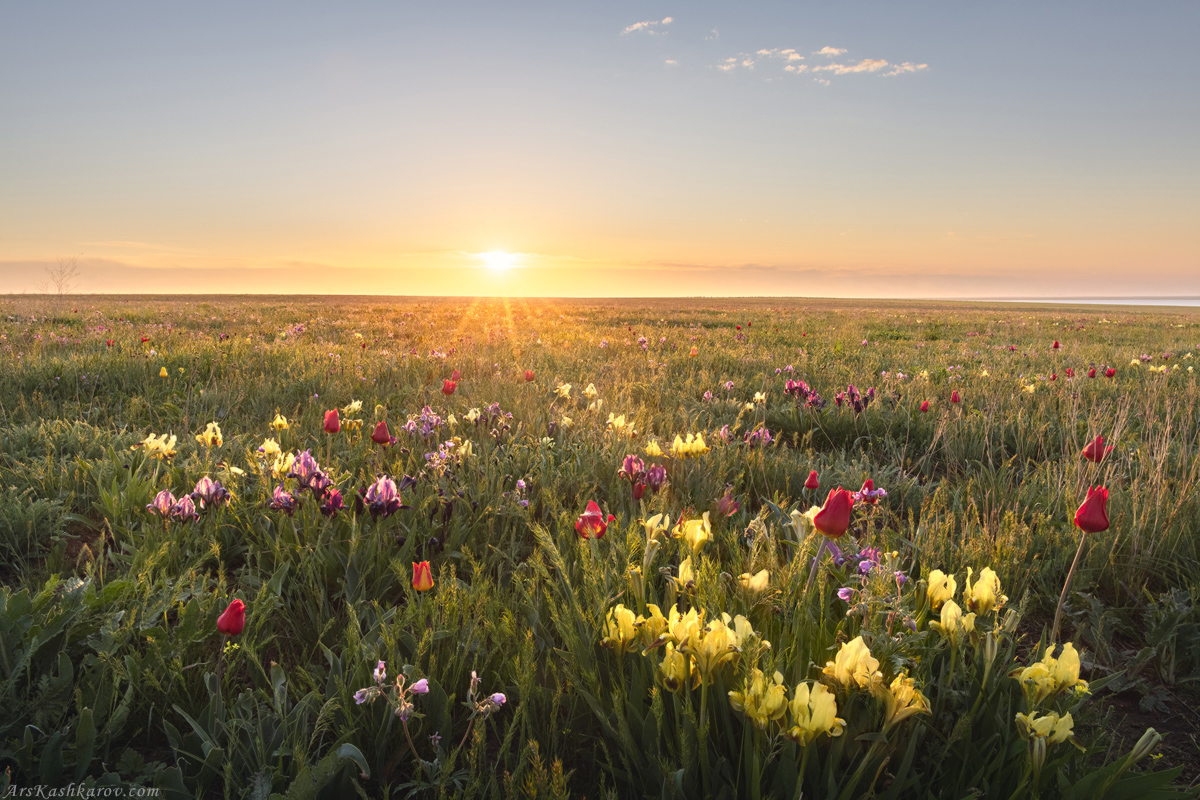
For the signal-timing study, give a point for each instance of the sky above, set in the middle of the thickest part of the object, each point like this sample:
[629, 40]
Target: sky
[851, 149]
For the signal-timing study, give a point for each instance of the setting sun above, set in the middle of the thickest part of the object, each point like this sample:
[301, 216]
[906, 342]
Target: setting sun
[498, 262]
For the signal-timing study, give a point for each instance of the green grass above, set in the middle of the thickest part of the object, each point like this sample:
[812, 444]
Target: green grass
[108, 642]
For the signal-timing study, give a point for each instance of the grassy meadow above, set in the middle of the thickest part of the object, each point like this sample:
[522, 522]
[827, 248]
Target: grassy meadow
[700, 632]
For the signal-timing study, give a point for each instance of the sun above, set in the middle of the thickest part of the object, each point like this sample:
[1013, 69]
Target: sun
[499, 262]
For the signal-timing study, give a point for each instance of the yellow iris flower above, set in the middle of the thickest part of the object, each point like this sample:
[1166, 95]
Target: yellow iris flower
[695, 532]
[212, 436]
[854, 666]
[942, 587]
[985, 594]
[755, 583]
[280, 423]
[814, 712]
[902, 700]
[760, 701]
[652, 448]
[160, 447]
[954, 625]
[1051, 676]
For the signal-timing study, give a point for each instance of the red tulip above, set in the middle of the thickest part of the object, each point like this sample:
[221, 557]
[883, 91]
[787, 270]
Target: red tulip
[1053, 376]
[1092, 372]
[591, 523]
[110, 342]
[1096, 451]
[924, 406]
[232, 619]
[422, 577]
[1092, 516]
[639, 489]
[456, 375]
[834, 517]
[954, 398]
[332, 423]
[813, 481]
[1108, 373]
[529, 376]
[739, 327]
[381, 434]
[448, 386]
[1070, 372]
[145, 339]
[1056, 345]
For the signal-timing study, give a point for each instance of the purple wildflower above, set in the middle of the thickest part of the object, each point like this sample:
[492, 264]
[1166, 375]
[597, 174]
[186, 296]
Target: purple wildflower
[162, 503]
[209, 492]
[283, 500]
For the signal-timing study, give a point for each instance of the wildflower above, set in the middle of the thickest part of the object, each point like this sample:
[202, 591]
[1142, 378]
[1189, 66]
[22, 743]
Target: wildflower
[814, 712]
[1056, 344]
[332, 503]
[448, 386]
[563, 391]
[1051, 727]
[676, 668]
[924, 407]
[1092, 516]
[353, 408]
[1092, 372]
[693, 447]
[632, 468]
[269, 448]
[845, 594]
[162, 503]
[162, 373]
[308, 474]
[941, 588]
[381, 435]
[332, 423]
[1110, 372]
[901, 701]
[985, 594]
[283, 465]
[421, 686]
[422, 579]
[592, 523]
[687, 576]
[211, 436]
[620, 630]
[834, 517]
[380, 673]
[718, 645]
[382, 497]
[280, 423]
[282, 500]
[953, 624]
[854, 666]
[695, 531]
[760, 398]
[159, 447]
[209, 492]
[695, 351]
[954, 398]
[1070, 373]
[528, 376]
[652, 449]
[591, 393]
[656, 477]
[759, 701]
[617, 424]
[755, 583]
[233, 619]
[868, 493]
[727, 505]
[707, 396]
[813, 482]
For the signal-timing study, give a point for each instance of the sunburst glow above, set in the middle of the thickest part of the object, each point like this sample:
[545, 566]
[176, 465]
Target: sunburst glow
[498, 261]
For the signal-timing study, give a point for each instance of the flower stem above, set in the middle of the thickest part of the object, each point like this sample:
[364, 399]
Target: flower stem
[812, 575]
[1066, 586]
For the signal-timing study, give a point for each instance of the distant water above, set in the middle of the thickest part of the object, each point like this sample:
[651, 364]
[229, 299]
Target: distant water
[1108, 301]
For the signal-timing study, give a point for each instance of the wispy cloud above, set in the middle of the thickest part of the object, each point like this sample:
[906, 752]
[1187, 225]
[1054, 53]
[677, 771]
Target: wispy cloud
[670, 62]
[650, 26]
[907, 66]
[712, 35]
[866, 65]
[793, 63]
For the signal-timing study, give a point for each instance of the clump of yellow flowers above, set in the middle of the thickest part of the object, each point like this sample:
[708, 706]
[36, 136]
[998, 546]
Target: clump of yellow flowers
[692, 447]
[160, 447]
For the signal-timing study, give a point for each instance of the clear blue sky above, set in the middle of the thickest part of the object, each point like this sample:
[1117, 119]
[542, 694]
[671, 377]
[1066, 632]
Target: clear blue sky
[1003, 149]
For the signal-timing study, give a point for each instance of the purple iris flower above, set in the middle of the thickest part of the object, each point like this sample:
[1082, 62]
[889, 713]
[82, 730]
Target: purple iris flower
[163, 501]
[332, 504]
[846, 594]
[283, 500]
[656, 477]
[184, 510]
[632, 468]
[209, 492]
[382, 497]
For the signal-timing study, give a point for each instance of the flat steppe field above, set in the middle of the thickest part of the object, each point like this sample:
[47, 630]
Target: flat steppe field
[390, 547]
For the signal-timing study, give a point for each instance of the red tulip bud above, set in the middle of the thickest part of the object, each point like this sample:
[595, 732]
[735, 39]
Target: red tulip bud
[1092, 516]
[381, 434]
[529, 376]
[834, 517]
[1096, 451]
[1092, 373]
[813, 481]
[422, 577]
[232, 619]
[448, 386]
[924, 406]
[954, 398]
[1108, 373]
[332, 423]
